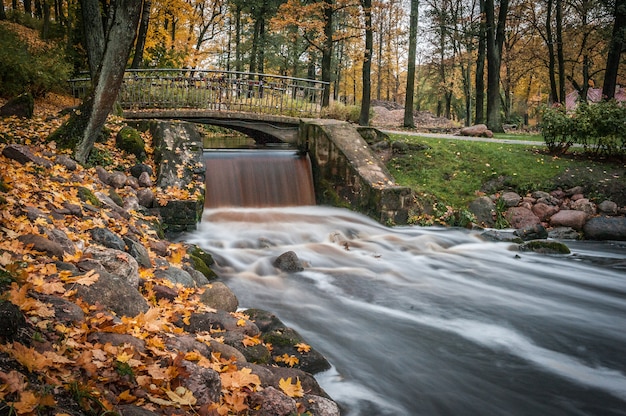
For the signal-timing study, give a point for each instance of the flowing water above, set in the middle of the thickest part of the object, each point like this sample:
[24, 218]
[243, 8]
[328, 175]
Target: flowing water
[427, 321]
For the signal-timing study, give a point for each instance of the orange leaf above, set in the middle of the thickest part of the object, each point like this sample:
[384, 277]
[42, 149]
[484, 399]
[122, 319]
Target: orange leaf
[291, 390]
[28, 357]
[302, 347]
[28, 402]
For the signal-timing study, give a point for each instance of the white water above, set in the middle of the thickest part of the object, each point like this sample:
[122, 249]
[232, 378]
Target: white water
[423, 321]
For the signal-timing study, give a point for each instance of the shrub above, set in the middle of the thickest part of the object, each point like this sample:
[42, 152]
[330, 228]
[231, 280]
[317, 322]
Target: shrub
[27, 66]
[599, 128]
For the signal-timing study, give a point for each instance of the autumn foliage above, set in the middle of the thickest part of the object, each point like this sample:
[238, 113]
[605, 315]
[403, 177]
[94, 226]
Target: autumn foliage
[51, 367]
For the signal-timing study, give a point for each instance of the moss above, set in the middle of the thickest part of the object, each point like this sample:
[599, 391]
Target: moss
[545, 247]
[202, 267]
[116, 197]
[86, 195]
[281, 338]
[196, 251]
[129, 140]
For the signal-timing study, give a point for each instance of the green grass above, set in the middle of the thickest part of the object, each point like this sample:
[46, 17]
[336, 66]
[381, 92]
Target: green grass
[454, 172]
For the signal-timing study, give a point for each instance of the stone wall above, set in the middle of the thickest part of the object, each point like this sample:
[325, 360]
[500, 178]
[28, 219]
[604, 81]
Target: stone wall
[347, 173]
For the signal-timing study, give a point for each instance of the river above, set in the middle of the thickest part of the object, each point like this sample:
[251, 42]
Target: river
[433, 321]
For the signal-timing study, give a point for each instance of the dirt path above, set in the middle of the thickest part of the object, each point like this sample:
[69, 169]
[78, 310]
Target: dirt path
[466, 138]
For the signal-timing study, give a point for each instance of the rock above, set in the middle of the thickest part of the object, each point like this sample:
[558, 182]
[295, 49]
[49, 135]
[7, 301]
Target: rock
[175, 275]
[117, 179]
[272, 402]
[484, 210]
[585, 206]
[218, 296]
[320, 406]
[564, 233]
[204, 383]
[540, 194]
[606, 228]
[59, 237]
[21, 106]
[511, 199]
[132, 410]
[11, 320]
[198, 278]
[544, 211]
[33, 214]
[146, 197]
[270, 376]
[129, 140]
[288, 262]
[113, 261]
[103, 174]
[532, 232]
[23, 155]
[206, 321]
[40, 243]
[573, 191]
[545, 247]
[113, 293]
[520, 217]
[107, 238]
[200, 265]
[569, 218]
[68, 162]
[144, 180]
[608, 208]
[131, 203]
[501, 236]
[188, 343]
[139, 252]
[140, 168]
[478, 130]
[64, 311]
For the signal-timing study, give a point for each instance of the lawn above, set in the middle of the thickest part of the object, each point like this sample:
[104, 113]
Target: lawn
[454, 172]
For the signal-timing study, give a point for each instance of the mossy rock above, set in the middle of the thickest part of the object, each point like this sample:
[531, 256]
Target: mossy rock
[86, 195]
[545, 247]
[129, 140]
[202, 267]
[116, 197]
[257, 354]
[196, 251]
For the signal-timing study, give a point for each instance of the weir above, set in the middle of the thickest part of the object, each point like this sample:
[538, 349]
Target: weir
[258, 178]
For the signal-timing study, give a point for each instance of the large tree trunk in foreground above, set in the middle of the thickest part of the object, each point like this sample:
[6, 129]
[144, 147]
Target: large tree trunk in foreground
[82, 129]
[495, 41]
[410, 80]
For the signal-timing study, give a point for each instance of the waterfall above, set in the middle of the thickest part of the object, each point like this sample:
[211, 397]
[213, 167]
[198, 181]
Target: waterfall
[258, 178]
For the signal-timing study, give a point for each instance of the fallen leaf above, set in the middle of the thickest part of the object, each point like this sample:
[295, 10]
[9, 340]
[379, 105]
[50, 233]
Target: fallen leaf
[291, 390]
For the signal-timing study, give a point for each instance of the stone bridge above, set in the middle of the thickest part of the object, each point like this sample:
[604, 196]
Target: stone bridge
[271, 108]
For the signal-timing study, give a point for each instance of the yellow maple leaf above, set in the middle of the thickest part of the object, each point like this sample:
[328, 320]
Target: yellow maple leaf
[28, 357]
[88, 278]
[290, 360]
[241, 322]
[240, 379]
[125, 396]
[302, 347]
[291, 389]
[249, 341]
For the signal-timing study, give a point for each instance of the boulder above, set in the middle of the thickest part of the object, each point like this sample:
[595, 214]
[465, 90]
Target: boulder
[584, 205]
[21, 106]
[544, 211]
[273, 402]
[11, 320]
[113, 261]
[107, 238]
[532, 232]
[40, 243]
[569, 218]
[204, 383]
[175, 275]
[478, 130]
[511, 199]
[288, 262]
[564, 233]
[113, 293]
[520, 217]
[606, 228]
[608, 208]
[484, 210]
[218, 296]
[545, 247]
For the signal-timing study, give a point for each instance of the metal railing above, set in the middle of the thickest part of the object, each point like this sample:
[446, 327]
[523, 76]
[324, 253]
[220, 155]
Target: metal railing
[145, 89]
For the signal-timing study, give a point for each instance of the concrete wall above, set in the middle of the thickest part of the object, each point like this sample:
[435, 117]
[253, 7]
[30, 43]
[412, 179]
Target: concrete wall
[347, 173]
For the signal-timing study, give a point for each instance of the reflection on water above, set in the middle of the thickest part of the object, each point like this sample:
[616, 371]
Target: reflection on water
[422, 321]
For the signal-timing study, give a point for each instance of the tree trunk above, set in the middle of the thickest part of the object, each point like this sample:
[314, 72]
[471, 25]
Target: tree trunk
[480, 68]
[3, 13]
[495, 40]
[554, 94]
[93, 33]
[615, 50]
[327, 51]
[82, 129]
[364, 117]
[238, 53]
[141, 35]
[559, 49]
[45, 28]
[410, 80]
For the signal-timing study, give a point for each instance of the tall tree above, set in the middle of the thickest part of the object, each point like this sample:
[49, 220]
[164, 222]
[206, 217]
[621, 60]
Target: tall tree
[480, 66]
[495, 40]
[364, 117]
[615, 49]
[83, 127]
[141, 35]
[410, 80]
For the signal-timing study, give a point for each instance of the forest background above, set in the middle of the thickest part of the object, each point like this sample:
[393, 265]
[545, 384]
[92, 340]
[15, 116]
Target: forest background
[475, 60]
